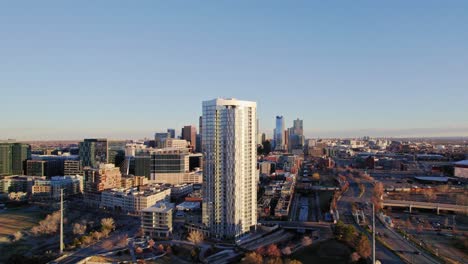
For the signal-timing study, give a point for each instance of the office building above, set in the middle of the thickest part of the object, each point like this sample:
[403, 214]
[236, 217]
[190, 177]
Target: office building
[171, 132]
[13, 158]
[189, 133]
[93, 152]
[169, 165]
[46, 168]
[177, 143]
[116, 152]
[156, 221]
[279, 133]
[72, 167]
[230, 167]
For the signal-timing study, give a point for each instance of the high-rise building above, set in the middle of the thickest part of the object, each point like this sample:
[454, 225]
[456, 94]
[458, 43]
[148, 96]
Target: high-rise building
[94, 152]
[160, 139]
[230, 167]
[279, 133]
[298, 128]
[296, 136]
[13, 157]
[171, 132]
[20, 154]
[189, 133]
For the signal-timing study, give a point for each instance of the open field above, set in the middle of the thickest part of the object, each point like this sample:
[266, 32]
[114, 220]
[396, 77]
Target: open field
[18, 219]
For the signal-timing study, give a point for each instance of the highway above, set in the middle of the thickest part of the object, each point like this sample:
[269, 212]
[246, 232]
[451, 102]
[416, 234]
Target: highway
[392, 239]
[425, 205]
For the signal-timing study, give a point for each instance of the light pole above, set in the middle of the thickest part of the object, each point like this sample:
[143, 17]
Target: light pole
[61, 221]
[373, 233]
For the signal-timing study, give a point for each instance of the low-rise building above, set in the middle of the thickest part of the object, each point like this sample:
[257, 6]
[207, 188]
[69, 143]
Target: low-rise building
[156, 221]
[133, 200]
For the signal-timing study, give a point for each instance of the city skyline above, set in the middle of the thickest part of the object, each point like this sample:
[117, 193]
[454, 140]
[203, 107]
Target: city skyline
[127, 71]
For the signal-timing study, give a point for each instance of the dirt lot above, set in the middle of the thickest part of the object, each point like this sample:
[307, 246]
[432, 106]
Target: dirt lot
[18, 219]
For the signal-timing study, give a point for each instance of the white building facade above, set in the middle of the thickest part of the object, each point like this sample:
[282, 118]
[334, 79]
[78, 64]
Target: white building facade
[230, 174]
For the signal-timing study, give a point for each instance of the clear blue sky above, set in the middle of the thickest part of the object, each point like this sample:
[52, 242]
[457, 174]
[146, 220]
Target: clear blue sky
[126, 69]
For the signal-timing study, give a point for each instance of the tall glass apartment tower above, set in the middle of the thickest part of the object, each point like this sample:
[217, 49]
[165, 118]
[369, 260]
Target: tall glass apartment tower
[230, 170]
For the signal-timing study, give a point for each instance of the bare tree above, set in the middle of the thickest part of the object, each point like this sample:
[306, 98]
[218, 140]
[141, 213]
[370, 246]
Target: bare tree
[429, 194]
[306, 241]
[17, 236]
[286, 251]
[253, 258]
[273, 251]
[97, 235]
[47, 226]
[363, 246]
[79, 229]
[443, 188]
[108, 223]
[107, 245]
[196, 237]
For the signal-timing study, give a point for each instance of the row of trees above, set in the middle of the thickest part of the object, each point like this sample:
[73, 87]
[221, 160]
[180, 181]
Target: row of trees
[107, 226]
[356, 240]
[48, 226]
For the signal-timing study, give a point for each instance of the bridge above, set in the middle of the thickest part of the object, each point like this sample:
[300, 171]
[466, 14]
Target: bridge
[298, 225]
[310, 187]
[424, 205]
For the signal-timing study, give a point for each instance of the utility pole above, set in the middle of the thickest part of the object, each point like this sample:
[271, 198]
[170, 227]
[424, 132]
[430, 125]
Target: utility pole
[61, 221]
[373, 233]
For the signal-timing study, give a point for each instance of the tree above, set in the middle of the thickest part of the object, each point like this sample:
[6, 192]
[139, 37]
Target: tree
[443, 188]
[363, 246]
[306, 241]
[108, 224]
[252, 258]
[294, 261]
[160, 248]
[151, 243]
[286, 251]
[86, 240]
[47, 226]
[97, 235]
[107, 245]
[275, 260]
[168, 249]
[138, 250]
[261, 251]
[79, 229]
[196, 237]
[429, 194]
[273, 251]
[122, 241]
[377, 195]
[355, 257]
[316, 176]
[17, 236]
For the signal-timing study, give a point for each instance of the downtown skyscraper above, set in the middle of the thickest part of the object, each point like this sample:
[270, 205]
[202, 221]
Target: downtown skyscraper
[230, 170]
[279, 136]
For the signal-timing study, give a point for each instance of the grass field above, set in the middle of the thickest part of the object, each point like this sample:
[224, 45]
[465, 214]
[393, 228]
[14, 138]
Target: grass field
[18, 219]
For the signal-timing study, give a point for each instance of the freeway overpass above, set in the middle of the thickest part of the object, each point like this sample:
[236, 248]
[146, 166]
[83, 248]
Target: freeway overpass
[298, 225]
[424, 205]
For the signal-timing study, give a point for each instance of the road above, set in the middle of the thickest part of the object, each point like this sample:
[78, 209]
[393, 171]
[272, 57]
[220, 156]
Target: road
[345, 208]
[394, 240]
